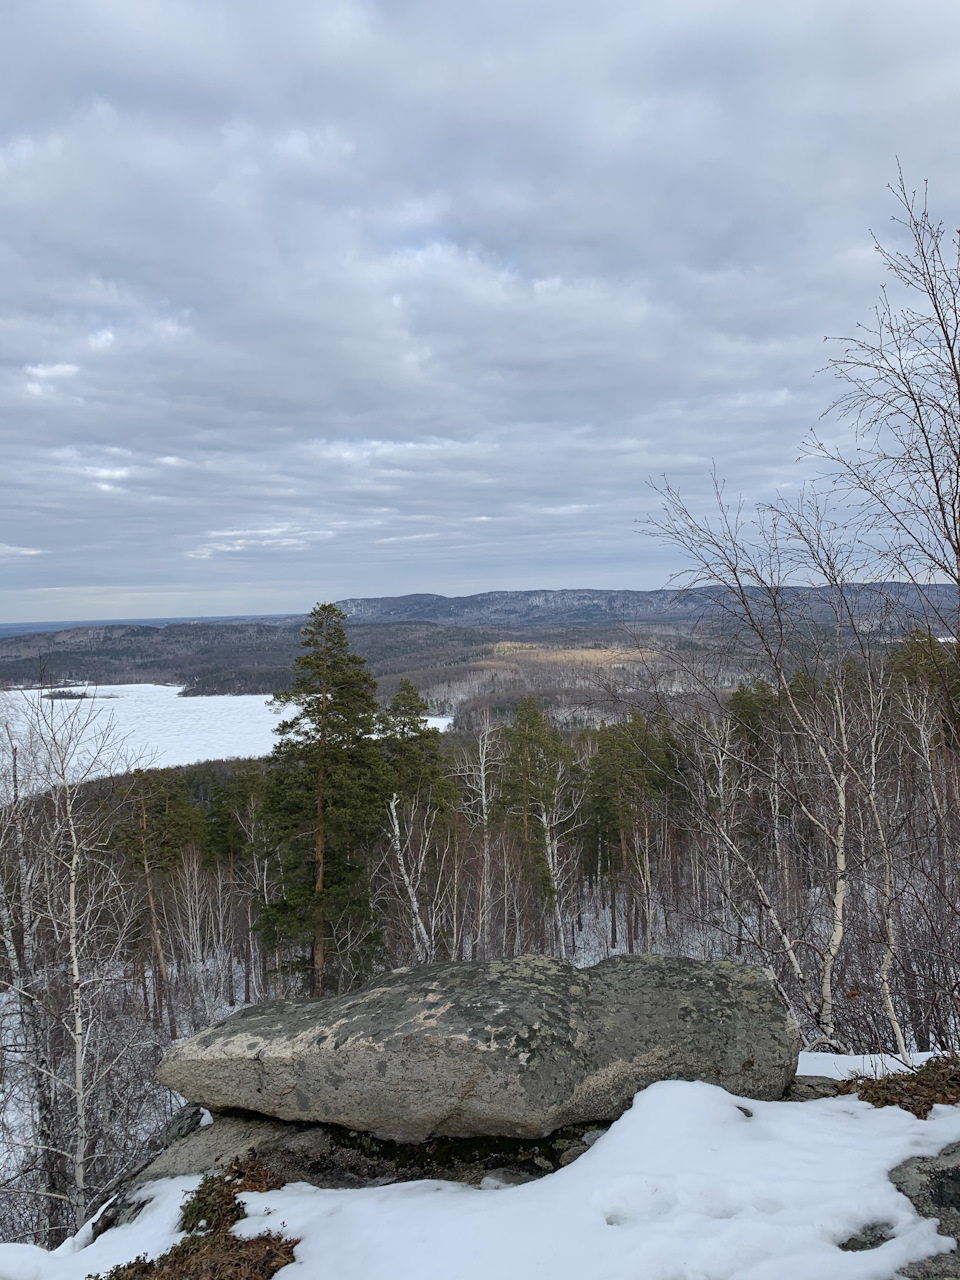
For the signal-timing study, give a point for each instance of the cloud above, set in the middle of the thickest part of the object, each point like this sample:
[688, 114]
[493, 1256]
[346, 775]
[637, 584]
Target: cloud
[42, 379]
[278, 538]
[358, 298]
[408, 537]
[7, 552]
[52, 372]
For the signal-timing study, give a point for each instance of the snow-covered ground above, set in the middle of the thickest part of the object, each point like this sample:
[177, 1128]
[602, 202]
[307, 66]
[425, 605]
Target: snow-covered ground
[838, 1066]
[690, 1184]
[158, 729]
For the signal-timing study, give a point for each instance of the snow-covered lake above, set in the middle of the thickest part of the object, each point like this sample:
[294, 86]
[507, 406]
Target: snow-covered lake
[159, 729]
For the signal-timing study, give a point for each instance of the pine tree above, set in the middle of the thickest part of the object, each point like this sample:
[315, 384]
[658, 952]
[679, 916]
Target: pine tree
[161, 822]
[632, 770]
[329, 787]
[542, 792]
[410, 746]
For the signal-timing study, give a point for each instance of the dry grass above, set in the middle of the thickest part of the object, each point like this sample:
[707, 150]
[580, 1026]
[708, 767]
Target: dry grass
[220, 1257]
[210, 1251]
[535, 654]
[937, 1080]
[213, 1207]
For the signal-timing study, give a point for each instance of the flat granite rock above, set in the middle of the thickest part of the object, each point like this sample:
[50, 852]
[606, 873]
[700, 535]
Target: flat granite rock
[518, 1048]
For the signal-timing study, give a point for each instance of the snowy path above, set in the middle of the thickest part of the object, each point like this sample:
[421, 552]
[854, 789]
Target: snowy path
[685, 1186]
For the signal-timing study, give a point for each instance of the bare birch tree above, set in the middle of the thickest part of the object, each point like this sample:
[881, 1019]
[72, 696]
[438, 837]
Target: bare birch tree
[67, 913]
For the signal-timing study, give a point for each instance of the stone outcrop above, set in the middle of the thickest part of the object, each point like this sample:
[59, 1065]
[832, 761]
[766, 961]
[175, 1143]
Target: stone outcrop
[932, 1185]
[516, 1048]
[810, 1088]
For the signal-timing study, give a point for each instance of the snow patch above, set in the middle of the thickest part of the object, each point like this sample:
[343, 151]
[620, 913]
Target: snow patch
[839, 1066]
[153, 1232]
[685, 1186]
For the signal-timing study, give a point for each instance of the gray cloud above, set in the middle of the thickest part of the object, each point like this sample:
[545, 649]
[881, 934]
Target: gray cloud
[303, 301]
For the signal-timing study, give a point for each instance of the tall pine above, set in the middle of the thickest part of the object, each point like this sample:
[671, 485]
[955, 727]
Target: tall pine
[329, 787]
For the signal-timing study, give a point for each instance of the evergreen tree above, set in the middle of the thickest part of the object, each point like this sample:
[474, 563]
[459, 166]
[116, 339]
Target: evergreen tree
[632, 770]
[327, 786]
[411, 748]
[542, 793]
[161, 823]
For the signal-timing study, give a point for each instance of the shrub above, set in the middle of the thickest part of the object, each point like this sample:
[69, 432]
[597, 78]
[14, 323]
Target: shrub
[918, 1090]
[210, 1251]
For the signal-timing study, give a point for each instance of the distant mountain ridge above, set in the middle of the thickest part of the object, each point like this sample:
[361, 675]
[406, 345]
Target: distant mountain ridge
[396, 635]
[447, 645]
[570, 607]
[523, 608]
[9, 629]
[502, 608]
[541, 608]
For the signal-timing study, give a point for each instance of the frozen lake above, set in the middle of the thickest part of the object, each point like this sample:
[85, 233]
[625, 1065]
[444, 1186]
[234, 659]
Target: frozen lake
[157, 728]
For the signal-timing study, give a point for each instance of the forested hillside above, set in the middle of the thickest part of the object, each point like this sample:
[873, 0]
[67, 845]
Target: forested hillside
[455, 666]
[803, 821]
[468, 655]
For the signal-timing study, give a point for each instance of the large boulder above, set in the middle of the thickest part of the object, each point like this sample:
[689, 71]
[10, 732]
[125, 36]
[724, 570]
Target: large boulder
[518, 1048]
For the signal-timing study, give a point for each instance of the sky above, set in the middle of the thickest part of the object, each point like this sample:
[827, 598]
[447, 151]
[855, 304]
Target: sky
[321, 298]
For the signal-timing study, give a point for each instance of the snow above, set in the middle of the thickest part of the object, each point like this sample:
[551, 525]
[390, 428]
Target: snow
[685, 1186]
[838, 1066]
[159, 729]
[152, 1233]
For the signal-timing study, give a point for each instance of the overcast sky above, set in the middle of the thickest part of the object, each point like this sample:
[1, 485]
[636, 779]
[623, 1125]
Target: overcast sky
[314, 298]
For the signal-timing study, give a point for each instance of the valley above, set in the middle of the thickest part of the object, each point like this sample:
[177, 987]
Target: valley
[466, 655]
